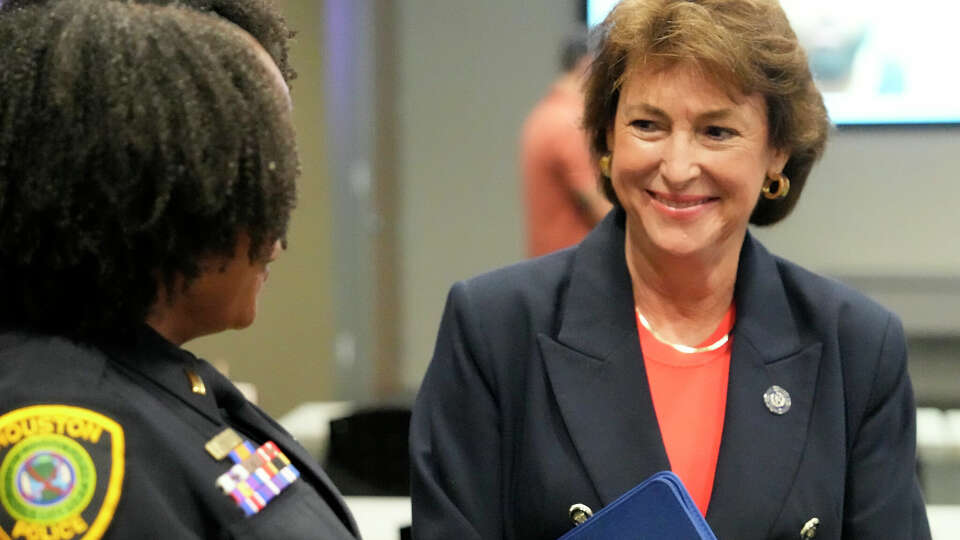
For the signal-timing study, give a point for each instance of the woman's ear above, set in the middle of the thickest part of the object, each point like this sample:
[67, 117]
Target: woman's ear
[778, 161]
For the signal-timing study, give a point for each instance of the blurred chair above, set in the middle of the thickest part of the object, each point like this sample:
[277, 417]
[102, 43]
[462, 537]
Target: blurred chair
[364, 452]
[310, 422]
[368, 452]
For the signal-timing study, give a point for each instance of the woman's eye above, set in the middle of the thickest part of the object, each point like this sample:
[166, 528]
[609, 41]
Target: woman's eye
[720, 133]
[644, 125]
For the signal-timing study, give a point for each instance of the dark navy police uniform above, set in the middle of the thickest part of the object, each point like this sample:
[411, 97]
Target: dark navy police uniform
[112, 443]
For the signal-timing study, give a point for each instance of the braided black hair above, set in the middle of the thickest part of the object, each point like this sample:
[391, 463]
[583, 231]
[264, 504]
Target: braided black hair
[259, 18]
[135, 140]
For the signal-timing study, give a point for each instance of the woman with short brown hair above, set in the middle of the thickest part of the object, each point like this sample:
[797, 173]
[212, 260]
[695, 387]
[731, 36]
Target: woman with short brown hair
[670, 338]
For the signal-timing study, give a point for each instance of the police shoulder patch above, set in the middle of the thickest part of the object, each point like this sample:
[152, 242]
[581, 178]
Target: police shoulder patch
[61, 472]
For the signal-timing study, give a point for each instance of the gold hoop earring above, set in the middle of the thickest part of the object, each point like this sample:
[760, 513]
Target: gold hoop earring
[782, 186]
[604, 164]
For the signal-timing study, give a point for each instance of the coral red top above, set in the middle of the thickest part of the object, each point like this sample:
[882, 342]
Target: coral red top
[689, 396]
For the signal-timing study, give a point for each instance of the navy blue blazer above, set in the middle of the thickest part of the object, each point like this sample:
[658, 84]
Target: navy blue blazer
[537, 398]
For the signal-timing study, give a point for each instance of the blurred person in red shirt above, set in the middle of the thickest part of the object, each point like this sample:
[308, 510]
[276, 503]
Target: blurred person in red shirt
[561, 197]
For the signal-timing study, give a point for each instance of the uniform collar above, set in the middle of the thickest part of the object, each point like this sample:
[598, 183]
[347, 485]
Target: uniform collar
[152, 357]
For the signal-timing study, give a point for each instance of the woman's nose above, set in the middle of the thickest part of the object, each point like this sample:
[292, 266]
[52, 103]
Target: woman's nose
[679, 162]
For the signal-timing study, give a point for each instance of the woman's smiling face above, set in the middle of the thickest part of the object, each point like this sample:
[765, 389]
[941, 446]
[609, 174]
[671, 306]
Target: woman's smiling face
[689, 160]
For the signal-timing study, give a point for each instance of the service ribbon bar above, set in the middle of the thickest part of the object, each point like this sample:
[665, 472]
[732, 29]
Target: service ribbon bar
[257, 476]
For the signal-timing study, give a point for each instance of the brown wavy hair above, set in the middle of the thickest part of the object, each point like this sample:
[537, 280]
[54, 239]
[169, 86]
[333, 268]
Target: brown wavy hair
[746, 46]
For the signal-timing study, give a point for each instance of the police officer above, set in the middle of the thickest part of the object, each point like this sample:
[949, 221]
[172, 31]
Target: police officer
[147, 175]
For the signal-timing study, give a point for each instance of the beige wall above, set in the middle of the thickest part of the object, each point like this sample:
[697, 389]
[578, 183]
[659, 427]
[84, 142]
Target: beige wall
[469, 72]
[883, 201]
[286, 352]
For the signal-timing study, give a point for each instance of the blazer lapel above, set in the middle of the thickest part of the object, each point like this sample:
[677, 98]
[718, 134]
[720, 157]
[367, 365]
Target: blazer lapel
[760, 450]
[596, 371]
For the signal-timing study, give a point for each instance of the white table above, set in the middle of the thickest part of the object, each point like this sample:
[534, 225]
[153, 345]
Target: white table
[380, 518]
[944, 521]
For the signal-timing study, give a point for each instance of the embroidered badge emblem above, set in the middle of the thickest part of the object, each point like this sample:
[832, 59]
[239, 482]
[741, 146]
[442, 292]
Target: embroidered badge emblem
[61, 472]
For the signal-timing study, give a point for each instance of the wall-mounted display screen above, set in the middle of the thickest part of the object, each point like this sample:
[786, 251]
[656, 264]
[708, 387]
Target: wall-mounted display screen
[876, 61]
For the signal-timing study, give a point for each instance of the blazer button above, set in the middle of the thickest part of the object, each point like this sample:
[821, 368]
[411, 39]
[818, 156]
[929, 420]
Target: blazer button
[809, 529]
[580, 513]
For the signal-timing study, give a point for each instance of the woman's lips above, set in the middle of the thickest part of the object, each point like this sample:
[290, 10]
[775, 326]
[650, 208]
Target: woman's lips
[681, 205]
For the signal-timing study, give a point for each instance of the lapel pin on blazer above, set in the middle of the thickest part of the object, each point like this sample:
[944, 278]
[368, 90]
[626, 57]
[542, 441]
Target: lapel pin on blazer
[579, 513]
[777, 400]
[809, 529]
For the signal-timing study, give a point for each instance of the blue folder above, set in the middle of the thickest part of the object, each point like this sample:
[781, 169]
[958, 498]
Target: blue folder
[659, 507]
